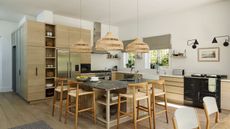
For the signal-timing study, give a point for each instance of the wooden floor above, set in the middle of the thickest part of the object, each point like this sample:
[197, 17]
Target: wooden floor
[14, 112]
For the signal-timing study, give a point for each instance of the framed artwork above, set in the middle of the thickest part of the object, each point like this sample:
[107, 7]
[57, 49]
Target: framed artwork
[209, 54]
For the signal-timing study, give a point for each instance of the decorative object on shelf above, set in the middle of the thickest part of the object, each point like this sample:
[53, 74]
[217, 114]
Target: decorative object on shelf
[179, 53]
[109, 43]
[110, 56]
[226, 42]
[209, 54]
[81, 46]
[50, 74]
[193, 43]
[137, 46]
[48, 33]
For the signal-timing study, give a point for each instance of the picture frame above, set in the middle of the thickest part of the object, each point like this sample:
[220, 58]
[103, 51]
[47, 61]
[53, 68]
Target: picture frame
[211, 54]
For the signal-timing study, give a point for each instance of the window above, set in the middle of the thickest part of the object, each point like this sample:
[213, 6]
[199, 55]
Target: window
[130, 60]
[159, 58]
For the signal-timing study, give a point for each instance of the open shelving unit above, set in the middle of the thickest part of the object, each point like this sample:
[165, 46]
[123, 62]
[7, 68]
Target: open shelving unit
[50, 59]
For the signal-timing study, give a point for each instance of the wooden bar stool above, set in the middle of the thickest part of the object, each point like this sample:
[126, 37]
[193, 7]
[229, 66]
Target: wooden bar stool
[158, 89]
[135, 96]
[76, 93]
[60, 88]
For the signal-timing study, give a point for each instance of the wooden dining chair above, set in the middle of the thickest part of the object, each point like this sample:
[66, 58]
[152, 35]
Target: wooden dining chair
[157, 90]
[210, 107]
[59, 90]
[135, 96]
[75, 93]
[186, 118]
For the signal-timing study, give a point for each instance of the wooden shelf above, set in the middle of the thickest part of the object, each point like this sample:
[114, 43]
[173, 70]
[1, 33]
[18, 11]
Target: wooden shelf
[50, 67]
[103, 102]
[50, 77]
[50, 87]
[49, 47]
[50, 57]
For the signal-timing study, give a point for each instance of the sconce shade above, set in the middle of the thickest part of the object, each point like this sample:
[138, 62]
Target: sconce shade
[226, 43]
[196, 42]
[214, 40]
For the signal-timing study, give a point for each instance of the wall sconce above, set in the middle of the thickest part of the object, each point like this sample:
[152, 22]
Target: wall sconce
[226, 42]
[193, 43]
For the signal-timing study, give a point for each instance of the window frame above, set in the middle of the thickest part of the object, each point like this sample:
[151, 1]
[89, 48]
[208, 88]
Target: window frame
[158, 57]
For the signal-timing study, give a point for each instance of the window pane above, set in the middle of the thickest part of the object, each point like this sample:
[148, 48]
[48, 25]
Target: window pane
[131, 60]
[159, 57]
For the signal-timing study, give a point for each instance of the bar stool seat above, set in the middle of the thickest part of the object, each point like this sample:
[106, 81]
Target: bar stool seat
[157, 92]
[81, 92]
[139, 95]
[58, 88]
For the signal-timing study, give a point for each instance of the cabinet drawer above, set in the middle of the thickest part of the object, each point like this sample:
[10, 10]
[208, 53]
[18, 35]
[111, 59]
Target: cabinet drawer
[175, 98]
[177, 90]
[36, 92]
[173, 79]
[172, 83]
[225, 96]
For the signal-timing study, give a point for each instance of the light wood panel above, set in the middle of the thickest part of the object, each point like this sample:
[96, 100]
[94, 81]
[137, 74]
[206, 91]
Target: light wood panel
[225, 95]
[85, 58]
[62, 36]
[35, 33]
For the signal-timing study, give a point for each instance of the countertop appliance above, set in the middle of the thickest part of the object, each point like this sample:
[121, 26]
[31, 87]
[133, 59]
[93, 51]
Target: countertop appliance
[178, 72]
[67, 63]
[196, 87]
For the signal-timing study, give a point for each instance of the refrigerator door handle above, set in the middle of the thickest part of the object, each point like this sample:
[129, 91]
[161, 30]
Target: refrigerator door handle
[67, 69]
[70, 70]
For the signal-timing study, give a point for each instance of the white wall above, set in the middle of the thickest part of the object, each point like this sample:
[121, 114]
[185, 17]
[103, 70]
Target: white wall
[96, 59]
[1, 42]
[6, 52]
[202, 23]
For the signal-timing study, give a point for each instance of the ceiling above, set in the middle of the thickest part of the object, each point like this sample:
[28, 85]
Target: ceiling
[96, 10]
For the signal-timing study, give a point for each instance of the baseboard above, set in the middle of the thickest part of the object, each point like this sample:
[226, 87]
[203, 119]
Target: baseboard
[6, 89]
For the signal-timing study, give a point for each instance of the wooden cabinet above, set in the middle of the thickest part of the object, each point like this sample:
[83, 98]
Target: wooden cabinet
[35, 73]
[34, 33]
[62, 36]
[225, 96]
[175, 88]
[74, 36]
[85, 58]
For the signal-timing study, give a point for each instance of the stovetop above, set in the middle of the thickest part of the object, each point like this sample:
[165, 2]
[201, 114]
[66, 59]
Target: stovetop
[209, 75]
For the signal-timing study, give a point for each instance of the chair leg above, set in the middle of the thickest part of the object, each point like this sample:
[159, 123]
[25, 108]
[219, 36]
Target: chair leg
[149, 112]
[166, 108]
[94, 107]
[67, 108]
[154, 112]
[138, 104]
[54, 102]
[76, 113]
[60, 106]
[118, 111]
[135, 114]
[217, 117]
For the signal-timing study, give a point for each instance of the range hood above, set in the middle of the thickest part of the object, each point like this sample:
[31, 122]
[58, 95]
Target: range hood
[97, 36]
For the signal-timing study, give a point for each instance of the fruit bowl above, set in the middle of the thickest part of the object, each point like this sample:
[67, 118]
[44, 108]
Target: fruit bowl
[82, 78]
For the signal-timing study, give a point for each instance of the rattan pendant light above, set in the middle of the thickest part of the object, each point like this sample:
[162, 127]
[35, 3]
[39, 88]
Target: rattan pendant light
[137, 46]
[81, 46]
[109, 42]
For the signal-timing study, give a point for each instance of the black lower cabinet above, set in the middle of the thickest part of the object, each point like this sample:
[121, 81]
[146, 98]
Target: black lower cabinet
[196, 88]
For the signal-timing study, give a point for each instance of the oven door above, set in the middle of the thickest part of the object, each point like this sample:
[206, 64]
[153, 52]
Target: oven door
[85, 68]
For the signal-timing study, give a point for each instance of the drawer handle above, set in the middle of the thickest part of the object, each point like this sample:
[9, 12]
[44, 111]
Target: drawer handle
[36, 71]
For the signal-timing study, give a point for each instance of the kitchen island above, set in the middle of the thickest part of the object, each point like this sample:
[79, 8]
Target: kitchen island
[104, 89]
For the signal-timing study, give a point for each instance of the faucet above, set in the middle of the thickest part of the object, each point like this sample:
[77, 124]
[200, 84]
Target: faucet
[132, 68]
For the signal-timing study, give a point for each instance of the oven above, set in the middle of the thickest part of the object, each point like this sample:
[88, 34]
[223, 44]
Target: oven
[85, 68]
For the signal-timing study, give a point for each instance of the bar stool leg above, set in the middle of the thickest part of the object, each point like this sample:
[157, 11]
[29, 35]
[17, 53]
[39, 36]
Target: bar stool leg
[67, 108]
[76, 113]
[149, 112]
[135, 113]
[54, 102]
[154, 112]
[94, 107]
[118, 111]
[138, 111]
[60, 106]
[166, 108]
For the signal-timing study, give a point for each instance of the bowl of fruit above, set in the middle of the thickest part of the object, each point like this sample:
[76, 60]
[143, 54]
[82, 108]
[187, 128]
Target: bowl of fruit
[82, 78]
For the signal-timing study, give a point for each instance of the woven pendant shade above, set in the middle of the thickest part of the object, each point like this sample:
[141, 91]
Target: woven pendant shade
[137, 46]
[81, 47]
[109, 43]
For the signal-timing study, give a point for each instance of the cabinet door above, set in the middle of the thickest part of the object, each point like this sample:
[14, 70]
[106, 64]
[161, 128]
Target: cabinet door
[35, 33]
[85, 58]
[74, 36]
[62, 36]
[86, 36]
[225, 96]
[35, 73]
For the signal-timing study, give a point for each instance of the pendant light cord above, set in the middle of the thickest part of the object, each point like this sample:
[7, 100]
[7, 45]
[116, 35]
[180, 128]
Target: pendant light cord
[80, 18]
[137, 18]
[109, 14]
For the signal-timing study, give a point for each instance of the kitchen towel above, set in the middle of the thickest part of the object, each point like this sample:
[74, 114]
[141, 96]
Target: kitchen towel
[212, 84]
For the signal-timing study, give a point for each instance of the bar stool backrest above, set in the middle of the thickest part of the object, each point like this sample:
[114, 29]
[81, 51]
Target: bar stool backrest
[139, 86]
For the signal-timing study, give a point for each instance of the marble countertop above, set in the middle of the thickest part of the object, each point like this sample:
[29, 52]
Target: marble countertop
[112, 85]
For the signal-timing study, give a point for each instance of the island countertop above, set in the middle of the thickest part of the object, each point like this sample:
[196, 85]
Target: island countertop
[112, 85]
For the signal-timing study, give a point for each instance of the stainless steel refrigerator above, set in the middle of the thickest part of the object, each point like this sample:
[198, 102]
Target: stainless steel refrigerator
[68, 63]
